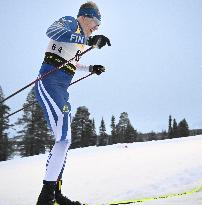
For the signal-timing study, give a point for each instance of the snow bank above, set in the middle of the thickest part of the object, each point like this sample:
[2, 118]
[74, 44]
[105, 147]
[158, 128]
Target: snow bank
[118, 172]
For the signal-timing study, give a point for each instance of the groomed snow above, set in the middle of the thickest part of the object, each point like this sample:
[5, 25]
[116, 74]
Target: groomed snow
[98, 175]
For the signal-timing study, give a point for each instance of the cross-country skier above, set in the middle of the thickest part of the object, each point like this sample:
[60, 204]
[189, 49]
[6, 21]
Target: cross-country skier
[67, 36]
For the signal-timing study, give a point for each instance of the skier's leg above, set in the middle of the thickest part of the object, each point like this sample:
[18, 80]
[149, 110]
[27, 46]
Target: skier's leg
[58, 110]
[56, 160]
[66, 133]
[58, 114]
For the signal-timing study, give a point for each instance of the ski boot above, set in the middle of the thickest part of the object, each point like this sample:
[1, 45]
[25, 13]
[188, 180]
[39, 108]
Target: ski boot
[47, 195]
[60, 199]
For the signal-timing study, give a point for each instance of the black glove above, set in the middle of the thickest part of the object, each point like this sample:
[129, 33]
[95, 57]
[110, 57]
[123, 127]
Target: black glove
[98, 69]
[98, 40]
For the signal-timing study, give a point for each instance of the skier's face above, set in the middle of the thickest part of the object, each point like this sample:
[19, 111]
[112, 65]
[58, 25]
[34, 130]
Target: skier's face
[89, 25]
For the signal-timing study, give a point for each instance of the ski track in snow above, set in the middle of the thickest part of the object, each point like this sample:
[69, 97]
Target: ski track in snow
[113, 173]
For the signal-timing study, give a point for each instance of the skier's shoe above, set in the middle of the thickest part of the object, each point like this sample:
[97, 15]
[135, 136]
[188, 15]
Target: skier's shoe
[62, 200]
[47, 195]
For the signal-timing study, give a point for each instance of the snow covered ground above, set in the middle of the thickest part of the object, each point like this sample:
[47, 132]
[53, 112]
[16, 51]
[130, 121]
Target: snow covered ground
[118, 172]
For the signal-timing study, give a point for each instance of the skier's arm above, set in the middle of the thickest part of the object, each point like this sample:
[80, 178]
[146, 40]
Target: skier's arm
[81, 67]
[64, 30]
[98, 69]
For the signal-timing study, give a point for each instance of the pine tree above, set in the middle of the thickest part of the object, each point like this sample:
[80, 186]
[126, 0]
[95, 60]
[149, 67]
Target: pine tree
[89, 137]
[170, 129]
[121, 127]
[96, 137]
[35, 136]
[5, 144]
[104, 139]
[175, 128]
[130, 134]
[93, 126]
[113, 131]
[183, 128]
[83, 130]
[94, 132]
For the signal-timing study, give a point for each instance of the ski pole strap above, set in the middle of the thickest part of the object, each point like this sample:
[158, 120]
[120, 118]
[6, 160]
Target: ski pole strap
[59, 62]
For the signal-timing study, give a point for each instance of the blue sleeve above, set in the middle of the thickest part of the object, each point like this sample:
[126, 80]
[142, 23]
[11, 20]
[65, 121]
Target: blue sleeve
[64, 30]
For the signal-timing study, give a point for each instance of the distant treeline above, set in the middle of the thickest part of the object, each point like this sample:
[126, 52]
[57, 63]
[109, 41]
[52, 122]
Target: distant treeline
[35, 137]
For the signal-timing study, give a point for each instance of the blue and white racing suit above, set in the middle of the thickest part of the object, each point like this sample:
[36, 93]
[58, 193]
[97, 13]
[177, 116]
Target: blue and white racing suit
[66, 38]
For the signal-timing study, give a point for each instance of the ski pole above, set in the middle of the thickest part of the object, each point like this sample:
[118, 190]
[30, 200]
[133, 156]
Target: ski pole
[76, 57]
[76, 81]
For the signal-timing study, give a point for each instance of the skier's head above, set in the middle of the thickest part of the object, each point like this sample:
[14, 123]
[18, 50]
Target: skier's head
[89, 17]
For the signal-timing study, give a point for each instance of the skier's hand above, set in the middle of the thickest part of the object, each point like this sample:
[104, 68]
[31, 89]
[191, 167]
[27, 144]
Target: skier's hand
[98, 69]
[98, 41]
